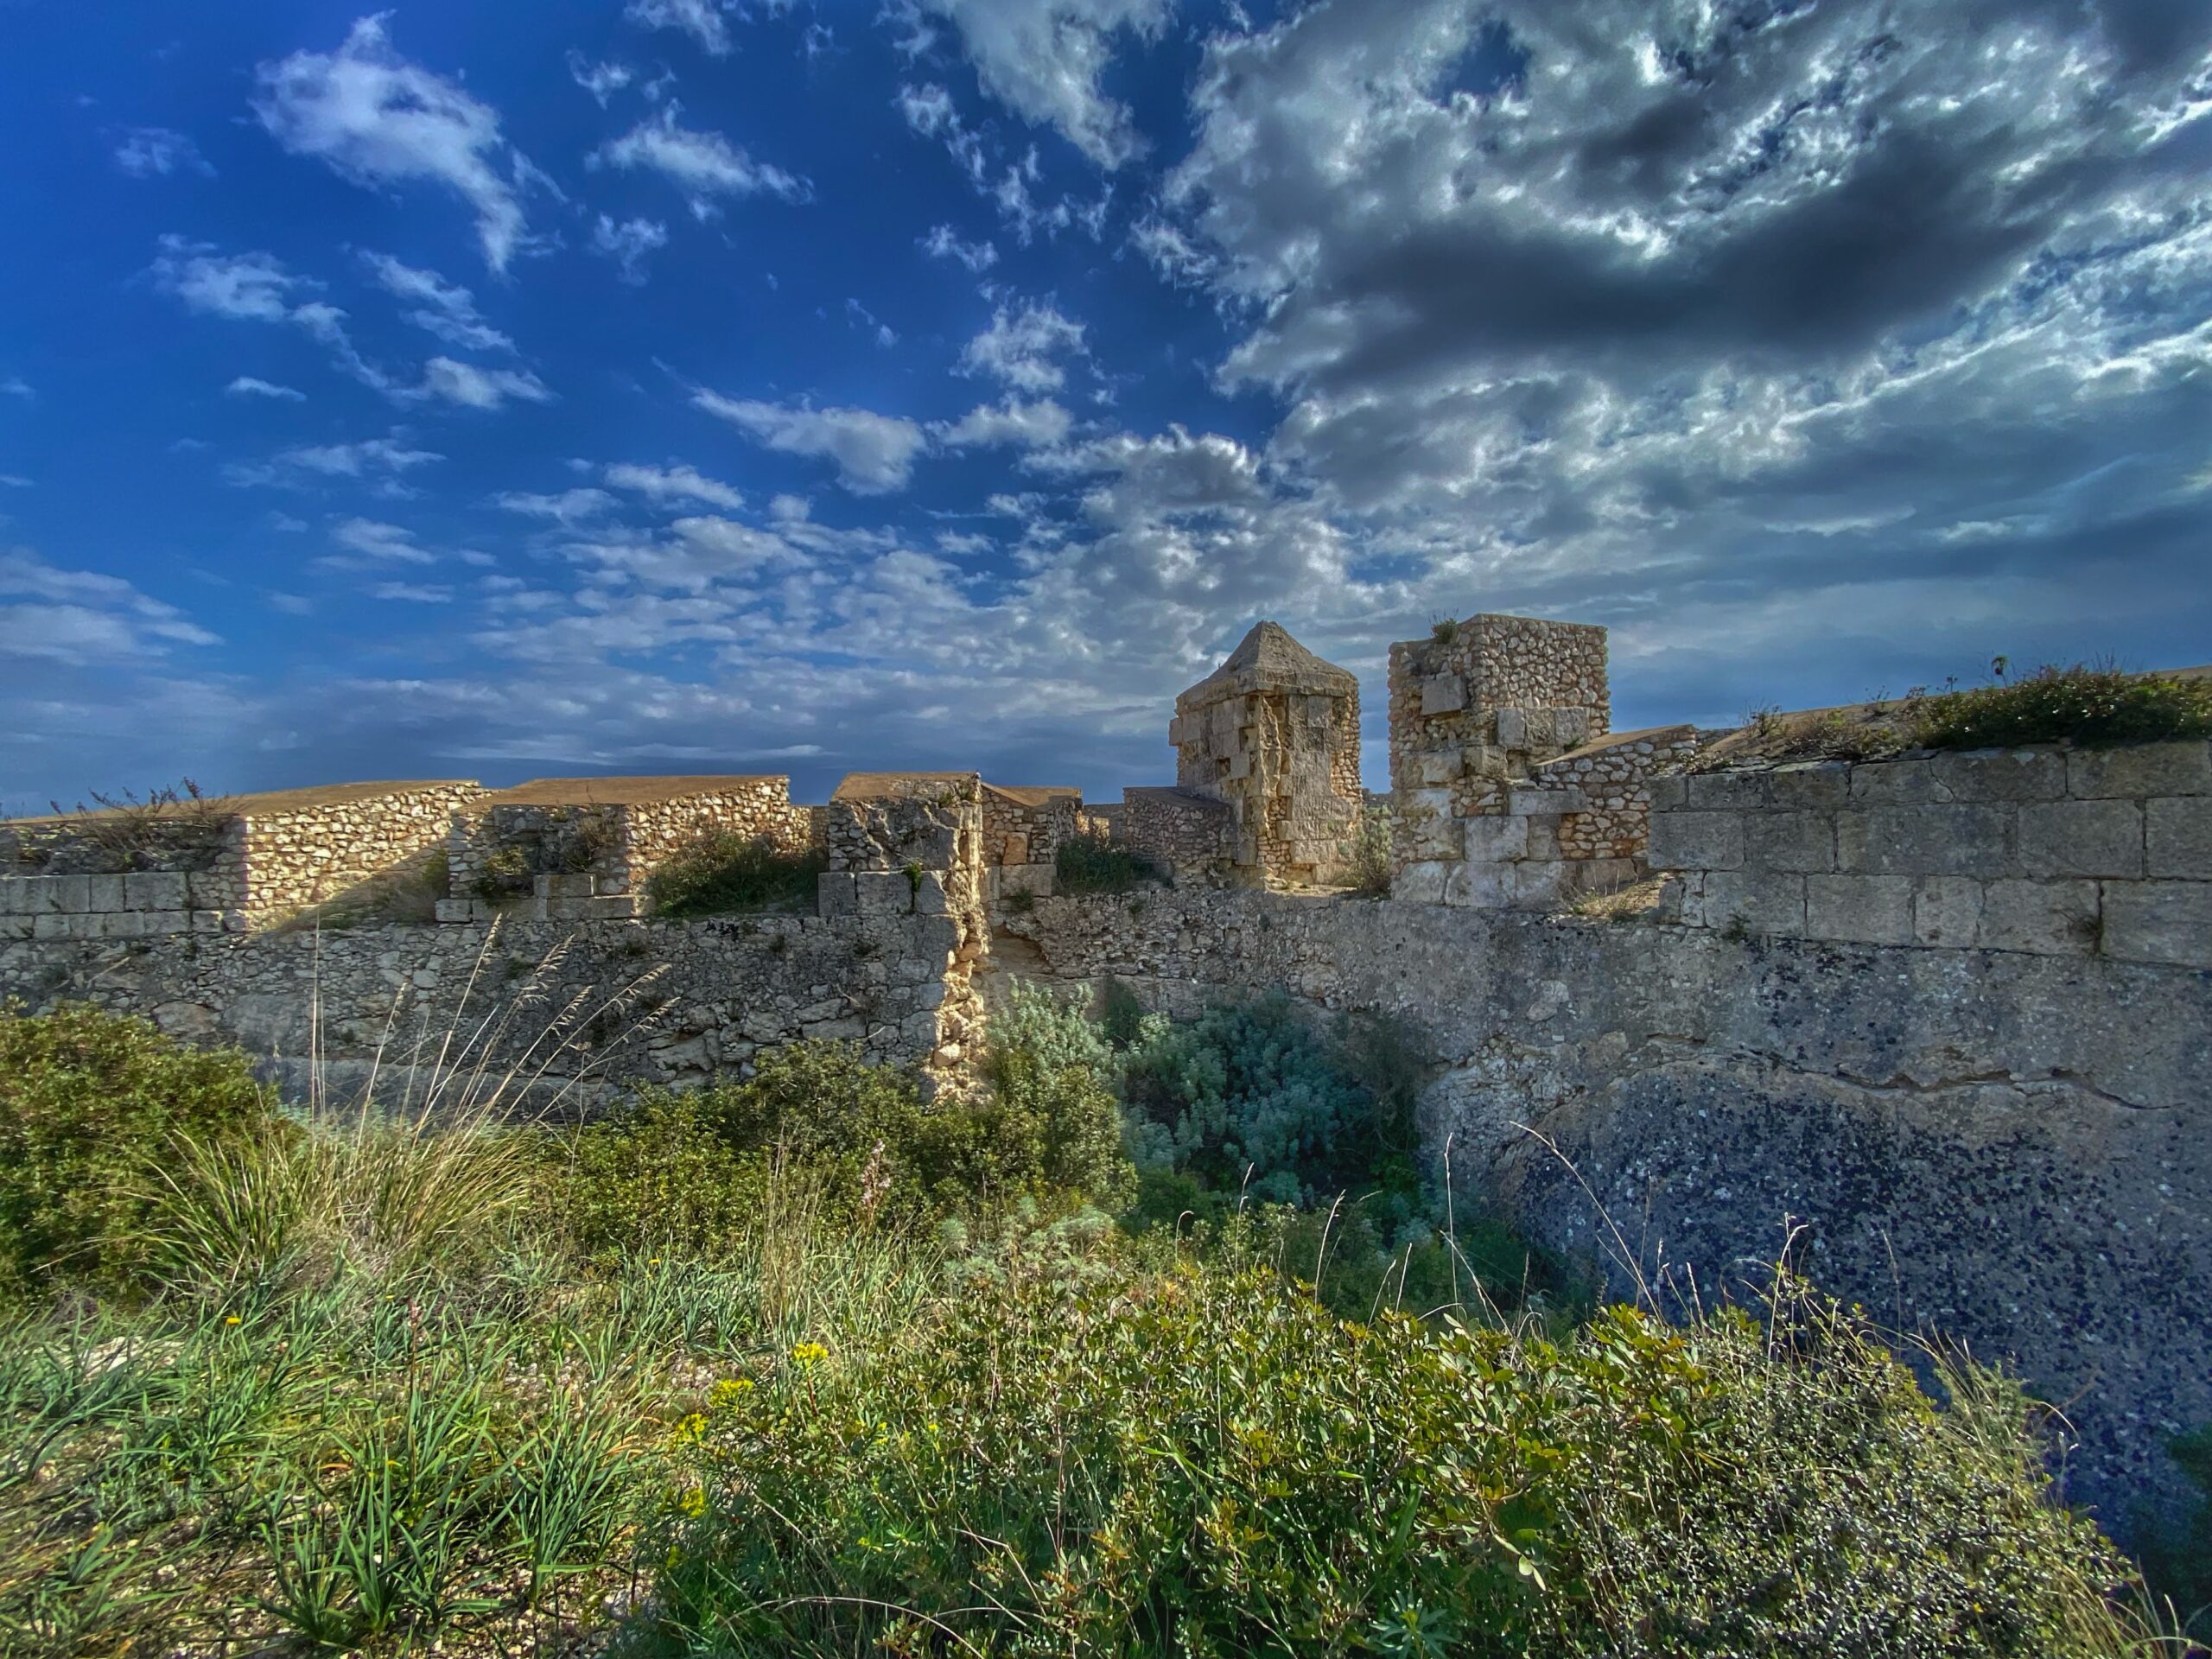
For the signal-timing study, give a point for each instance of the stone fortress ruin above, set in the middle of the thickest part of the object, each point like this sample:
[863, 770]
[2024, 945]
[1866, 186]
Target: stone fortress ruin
[1949, 1015]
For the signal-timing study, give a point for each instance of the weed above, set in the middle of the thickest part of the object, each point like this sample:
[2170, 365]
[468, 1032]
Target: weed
[1444, 629]
[1087, 864]
[1371, 865]
[722, 872]
[2094, 705]
[1021, 902]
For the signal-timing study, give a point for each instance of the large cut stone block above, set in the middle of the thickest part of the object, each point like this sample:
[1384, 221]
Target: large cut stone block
[2159, 921]
[1946, 910]
[1764, 902]
[154, 889]
[2094, 837]
[1998, 775]
[1668, 792]
[1423, 883]
[1808, 786]
[2177, 837]
[104, 893]
[1443, 694]
[1479, 887]
[1926, 841]
[1860, 909]
[2050, 919]
[1789, 841]
[1728, 791]
[1495, 839]
[1896, 783]
[835, 893]
[2147, 769]
[1697, 841]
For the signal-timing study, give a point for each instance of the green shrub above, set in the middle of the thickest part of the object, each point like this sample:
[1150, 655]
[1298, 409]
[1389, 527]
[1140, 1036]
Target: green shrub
[2178, 1555]
[1209, 1463]
[654, 1178]
[723, 871]
[1248, 1096]
[91, 1105]
[1050, 1066]
[1097, 864]
[502, 875]
[2095, 707]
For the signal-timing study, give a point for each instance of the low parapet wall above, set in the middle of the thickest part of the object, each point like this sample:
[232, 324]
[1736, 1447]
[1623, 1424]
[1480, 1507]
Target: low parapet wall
[2013, 1150]
[2053, 851]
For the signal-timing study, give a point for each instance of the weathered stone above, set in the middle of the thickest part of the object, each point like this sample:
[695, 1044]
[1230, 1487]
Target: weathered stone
[1997, 775]
[1728, 791]
[1926, 841]
[2177, 837]
[2049, 918]
[1490, 840]
[1860, 909]
[154, 889]
[1421, 883]
[1789, 841]
[1810, 785]
[2158, 921]
[2082, 838]
[1946, 910]
[2145, 770]
[104, 893]
[1697, 841]
[1443, 694]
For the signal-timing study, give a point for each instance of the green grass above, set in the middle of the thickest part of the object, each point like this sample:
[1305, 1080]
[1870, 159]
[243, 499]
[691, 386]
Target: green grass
[803, 1366]
[724, 871]
[2095, 707]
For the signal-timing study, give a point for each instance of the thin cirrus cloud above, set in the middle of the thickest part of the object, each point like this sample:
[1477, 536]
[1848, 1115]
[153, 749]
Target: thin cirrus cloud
[704, 165]
[249, 385]
[156, 152]
[440, 307]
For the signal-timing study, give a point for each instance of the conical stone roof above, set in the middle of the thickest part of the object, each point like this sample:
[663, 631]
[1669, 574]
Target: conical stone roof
[1269, 659]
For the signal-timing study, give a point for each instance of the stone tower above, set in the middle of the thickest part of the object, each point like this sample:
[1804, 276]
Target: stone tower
[1275, 732]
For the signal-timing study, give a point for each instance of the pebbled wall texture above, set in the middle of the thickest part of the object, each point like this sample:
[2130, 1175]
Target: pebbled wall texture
[2013, 1150]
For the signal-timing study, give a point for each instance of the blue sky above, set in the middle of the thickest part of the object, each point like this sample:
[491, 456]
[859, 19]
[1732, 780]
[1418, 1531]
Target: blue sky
[491, 391]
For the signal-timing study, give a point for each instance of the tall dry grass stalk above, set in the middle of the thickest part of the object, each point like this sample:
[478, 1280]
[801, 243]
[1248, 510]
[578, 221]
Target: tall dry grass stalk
[438, 1149]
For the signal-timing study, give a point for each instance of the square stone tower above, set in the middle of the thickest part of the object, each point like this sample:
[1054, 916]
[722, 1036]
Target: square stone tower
[1274, 732]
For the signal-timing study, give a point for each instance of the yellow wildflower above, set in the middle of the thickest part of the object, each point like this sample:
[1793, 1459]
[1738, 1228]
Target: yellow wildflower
[810, 1353]
[691, 1502]
[729, 1391]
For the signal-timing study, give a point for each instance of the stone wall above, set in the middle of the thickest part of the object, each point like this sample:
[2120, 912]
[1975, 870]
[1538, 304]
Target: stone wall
[2014, 1150]
[582, 848]
[1194, 837]
[704, 996]
[1023, 832]
[241, 861]
[911, 844]
[1481, 705]
[2057, 852]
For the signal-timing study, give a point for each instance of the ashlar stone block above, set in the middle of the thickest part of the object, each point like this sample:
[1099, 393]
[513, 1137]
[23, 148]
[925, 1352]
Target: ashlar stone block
[1765, 902]
[1859, 909]
[2094, 837]
[2159, 921]
[1697, 841]
[1802, 841]
[1946, 911]
[1933, 840]
[2178, 838]
[2144, 770]
[1443, 694]
[2047, 919]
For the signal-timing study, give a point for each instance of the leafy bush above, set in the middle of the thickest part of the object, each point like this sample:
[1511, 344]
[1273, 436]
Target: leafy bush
[2177, 1556]
[502, 876]
[1097, 864]
[91, 1104]
[2095, 707]
[1252, 1089]
[1210, 1463]
[1050, 1067]
[723, 871]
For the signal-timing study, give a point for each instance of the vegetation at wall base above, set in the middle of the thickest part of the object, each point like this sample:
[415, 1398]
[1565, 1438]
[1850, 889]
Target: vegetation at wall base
[807, 1365]
[724, 872]
[1097, 864]
[2095, 706]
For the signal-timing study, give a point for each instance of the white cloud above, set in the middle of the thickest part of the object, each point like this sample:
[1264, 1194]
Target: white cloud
[81, 618]
[601, 80]
[256, 288]
[662, 485]
[1044, 60]
[929, 111]
[377, 119]
[1029, 426]
[472, 387]
[942, 243]
[389, 457]
[247, 386]
[628, 243]
[1018, 346]
[874, 453]
[156, 152]
[410, 593]
[569, 507]
[443, 309]
[15, 386]
[372, 538]
[703, 164]
[701, 19]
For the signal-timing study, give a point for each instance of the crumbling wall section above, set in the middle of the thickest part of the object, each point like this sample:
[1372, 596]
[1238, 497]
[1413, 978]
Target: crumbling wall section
[1191, 836]
[911, 846]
